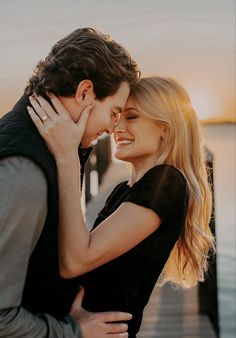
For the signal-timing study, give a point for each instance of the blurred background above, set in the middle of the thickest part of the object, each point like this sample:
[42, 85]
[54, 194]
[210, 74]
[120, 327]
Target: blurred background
[189, 40]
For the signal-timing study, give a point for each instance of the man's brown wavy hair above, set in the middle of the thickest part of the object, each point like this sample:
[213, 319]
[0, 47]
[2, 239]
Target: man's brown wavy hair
[84, 54]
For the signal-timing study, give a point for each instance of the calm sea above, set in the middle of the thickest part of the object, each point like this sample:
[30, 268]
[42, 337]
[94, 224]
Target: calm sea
[221, 141]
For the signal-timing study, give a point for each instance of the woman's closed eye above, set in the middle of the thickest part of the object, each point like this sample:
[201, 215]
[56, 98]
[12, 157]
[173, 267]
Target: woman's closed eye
[131, 116]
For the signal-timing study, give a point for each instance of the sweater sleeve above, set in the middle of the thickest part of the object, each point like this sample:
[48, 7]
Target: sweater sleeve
[23, 210]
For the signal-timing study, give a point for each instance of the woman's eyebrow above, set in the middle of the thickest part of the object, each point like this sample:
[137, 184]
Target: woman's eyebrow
[132, 108]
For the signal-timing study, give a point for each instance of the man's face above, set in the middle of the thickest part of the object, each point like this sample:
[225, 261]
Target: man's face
[105, 114]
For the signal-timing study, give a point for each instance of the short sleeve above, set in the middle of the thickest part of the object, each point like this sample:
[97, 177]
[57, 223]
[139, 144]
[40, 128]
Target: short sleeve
[162, 189]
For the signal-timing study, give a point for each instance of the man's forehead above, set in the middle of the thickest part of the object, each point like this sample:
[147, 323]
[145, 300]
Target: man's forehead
[118, 109]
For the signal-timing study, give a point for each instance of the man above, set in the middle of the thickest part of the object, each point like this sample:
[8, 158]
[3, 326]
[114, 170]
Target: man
[84, 68]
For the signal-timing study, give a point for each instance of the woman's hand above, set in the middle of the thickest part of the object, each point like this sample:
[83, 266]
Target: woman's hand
[60, 132]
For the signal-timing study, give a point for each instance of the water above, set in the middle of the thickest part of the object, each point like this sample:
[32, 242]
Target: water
[221, 141]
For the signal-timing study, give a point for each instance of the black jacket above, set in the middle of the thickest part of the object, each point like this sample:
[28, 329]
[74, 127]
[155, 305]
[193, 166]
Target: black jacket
[44, 290]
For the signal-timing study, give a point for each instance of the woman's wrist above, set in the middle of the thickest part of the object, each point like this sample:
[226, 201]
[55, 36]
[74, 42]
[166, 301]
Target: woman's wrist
[67, 160]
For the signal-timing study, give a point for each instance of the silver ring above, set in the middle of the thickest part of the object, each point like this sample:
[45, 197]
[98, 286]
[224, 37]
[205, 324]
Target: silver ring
[44, 117]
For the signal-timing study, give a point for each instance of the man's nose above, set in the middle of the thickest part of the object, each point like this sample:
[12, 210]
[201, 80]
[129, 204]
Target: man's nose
[110, 129]
[119, 127]
[113, 124]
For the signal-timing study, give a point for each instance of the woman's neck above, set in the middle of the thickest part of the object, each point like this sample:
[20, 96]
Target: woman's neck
[139, 168]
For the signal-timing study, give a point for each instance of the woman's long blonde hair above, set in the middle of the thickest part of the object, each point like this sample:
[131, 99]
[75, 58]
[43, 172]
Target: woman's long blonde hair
[164, 100]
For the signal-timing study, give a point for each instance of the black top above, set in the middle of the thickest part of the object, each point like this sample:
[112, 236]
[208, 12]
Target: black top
[126, 283]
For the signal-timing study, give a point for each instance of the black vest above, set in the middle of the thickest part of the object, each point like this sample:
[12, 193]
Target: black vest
[44, 290]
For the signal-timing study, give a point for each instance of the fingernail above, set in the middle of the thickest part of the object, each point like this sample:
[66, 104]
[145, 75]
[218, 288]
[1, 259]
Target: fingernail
[50, 95]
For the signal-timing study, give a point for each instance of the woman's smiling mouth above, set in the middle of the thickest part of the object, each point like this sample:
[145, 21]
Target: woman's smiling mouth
[123, 141]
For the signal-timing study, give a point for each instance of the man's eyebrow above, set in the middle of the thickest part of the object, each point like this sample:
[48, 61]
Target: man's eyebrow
[117, 108]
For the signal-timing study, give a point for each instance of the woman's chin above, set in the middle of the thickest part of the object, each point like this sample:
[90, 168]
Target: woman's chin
[121, 156]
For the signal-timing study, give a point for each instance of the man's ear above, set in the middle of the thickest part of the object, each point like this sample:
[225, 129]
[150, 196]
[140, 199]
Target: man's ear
[85, 92]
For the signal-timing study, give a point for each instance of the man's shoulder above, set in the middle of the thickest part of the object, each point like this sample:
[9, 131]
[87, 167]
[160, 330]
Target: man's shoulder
[21, 173]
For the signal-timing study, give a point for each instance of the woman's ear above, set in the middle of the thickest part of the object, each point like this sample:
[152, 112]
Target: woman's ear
[85, 92]
[163, 133]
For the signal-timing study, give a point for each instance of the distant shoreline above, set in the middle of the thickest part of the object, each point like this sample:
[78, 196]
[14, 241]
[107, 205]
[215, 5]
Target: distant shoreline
[220, 120]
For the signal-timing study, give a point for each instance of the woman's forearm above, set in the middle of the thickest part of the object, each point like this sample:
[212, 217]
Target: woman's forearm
[74, 238]
[81, 251]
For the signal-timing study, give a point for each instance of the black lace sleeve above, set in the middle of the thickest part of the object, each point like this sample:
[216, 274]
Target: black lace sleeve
[162, 189]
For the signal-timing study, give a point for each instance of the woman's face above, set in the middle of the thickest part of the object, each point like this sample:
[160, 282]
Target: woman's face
[137, 137]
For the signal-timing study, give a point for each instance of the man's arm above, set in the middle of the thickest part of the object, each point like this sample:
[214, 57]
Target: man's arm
[23, 209]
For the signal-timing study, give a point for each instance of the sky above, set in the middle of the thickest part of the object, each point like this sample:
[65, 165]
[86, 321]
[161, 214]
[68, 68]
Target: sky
[192, 41]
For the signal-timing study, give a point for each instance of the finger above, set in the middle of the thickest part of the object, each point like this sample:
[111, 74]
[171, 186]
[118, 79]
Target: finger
[58, 106]
[76, 305]
[38, 109]
[79, 297]
[46, 106]
[118, 335]
[116, 328]
[84, 117]
[115, 316]
[37, 121]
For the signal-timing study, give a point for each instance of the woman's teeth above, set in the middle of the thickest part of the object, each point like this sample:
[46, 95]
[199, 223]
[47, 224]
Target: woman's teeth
[120, 142]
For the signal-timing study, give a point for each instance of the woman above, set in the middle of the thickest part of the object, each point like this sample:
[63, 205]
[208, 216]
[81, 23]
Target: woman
[157, 223]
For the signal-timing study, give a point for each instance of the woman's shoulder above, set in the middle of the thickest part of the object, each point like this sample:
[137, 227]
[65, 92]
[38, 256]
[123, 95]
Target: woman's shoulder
[119, 187]
[162, 188]
[163, 172]
[118, 190]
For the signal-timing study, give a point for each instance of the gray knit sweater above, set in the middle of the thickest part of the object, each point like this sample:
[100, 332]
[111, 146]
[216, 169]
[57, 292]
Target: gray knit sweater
[23, 209]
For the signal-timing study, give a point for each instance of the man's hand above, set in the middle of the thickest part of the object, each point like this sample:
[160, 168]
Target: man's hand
[100, 324]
